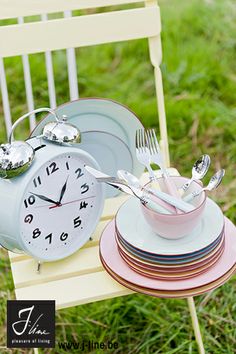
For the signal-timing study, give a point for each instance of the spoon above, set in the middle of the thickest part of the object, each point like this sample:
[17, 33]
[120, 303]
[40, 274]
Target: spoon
[199, 170]
[214, 182]
[129, 178]
[164, 200]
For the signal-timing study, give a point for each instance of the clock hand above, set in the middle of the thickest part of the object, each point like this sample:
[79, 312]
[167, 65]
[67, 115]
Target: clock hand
[45, 198]
[72, 201]
[63, 191]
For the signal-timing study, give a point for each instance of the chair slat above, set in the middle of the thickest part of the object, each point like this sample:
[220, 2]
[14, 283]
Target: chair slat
[71, 66]
[5, 99]
[75, 291]
[84, 261]
[15, 8]
[79, 31]
[28, 83]
[50, 75]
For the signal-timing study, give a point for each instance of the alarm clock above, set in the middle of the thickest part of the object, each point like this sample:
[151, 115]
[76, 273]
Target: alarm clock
[50, 204]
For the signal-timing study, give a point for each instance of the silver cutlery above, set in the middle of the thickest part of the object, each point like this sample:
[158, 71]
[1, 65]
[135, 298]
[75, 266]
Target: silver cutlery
[124, 187]
[155, 151]
[143, 153]
[156, 157]
[163, 197]
[178, 203]
[214, 182]
[199, 170]
[134, 181]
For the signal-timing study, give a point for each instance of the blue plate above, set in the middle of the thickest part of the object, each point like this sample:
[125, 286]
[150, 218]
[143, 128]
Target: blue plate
[167, 260]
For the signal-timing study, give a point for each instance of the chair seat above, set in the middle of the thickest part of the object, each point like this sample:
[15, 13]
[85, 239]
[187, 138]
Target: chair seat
[75, 280]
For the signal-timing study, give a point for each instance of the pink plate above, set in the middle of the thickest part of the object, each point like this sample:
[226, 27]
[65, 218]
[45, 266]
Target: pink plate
[171, 294]
[173, 277]
[172, 274]
[111, 257]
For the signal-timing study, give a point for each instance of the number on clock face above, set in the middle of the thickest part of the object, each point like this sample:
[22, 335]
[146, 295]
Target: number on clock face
[58, 206]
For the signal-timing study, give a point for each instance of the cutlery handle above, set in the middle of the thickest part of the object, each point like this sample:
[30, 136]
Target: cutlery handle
[170, 185]
[172, 189]
[185, 186]
[149, 194]
[178, 203]
[152, 176]
[188, 198]
[157, 207]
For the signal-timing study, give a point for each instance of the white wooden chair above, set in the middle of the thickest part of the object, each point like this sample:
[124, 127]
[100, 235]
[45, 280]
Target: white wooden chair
[67, 33]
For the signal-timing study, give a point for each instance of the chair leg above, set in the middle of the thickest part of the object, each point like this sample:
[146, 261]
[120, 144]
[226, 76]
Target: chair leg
[195, 324]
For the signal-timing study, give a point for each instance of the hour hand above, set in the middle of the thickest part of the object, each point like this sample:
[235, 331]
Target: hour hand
[46, 199]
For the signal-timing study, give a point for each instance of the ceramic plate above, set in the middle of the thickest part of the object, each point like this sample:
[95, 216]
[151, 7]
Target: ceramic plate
[112, 258]
[101, 115]
[171, 294]
[110, 152]
[134, 229]
[172, 268]
[201, 252]
[170, 257]
[150, 257]
[155, 274]
[170, 263]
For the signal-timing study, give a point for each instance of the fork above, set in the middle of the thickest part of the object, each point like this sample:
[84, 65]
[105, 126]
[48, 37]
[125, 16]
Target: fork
[143, 153]
[144, 157]
[156, 157]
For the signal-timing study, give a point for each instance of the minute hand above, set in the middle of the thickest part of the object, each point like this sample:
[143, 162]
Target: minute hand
[46, 199]
[63, 191]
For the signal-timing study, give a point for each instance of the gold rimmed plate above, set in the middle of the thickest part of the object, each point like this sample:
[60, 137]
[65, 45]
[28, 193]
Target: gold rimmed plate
[167, 267]
[110, 255]
[173, 275]
[174, 293]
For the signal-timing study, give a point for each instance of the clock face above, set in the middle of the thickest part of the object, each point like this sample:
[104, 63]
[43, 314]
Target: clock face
[60, 208]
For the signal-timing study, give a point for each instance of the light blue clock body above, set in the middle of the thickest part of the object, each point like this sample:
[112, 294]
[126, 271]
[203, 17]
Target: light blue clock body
[31, 218]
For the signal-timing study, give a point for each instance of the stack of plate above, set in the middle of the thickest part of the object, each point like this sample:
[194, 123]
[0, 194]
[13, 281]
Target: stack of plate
[146, 262]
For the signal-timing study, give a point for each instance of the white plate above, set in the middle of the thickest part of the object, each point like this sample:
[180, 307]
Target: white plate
[112, 259]
[134, 229]
[110, 152]
[101, 115]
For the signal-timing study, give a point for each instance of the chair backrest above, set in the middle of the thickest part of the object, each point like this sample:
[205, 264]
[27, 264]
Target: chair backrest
[70, 32]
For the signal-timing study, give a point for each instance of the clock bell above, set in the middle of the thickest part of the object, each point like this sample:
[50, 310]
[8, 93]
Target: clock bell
[17, 156]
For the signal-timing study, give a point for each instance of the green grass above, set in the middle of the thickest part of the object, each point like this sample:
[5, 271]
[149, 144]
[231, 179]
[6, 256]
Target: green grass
[199, 51]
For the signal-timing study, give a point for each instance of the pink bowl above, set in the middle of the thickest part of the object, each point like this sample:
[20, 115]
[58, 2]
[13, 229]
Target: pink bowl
[174, 226]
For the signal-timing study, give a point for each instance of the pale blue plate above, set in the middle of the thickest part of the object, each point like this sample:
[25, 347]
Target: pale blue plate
[111, 153]
[170, 261]
[134, 229]
[98, 114]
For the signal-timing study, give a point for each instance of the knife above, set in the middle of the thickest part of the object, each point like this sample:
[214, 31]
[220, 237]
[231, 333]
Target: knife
[124, 187]
[121, 185]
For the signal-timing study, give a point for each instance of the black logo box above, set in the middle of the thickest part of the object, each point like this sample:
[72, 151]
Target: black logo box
[30, 324]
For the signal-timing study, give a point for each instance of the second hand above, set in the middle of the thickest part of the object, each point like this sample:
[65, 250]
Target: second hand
[73, 201]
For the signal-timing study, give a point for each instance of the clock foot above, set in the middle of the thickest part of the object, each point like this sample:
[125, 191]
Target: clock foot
[38, 267]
